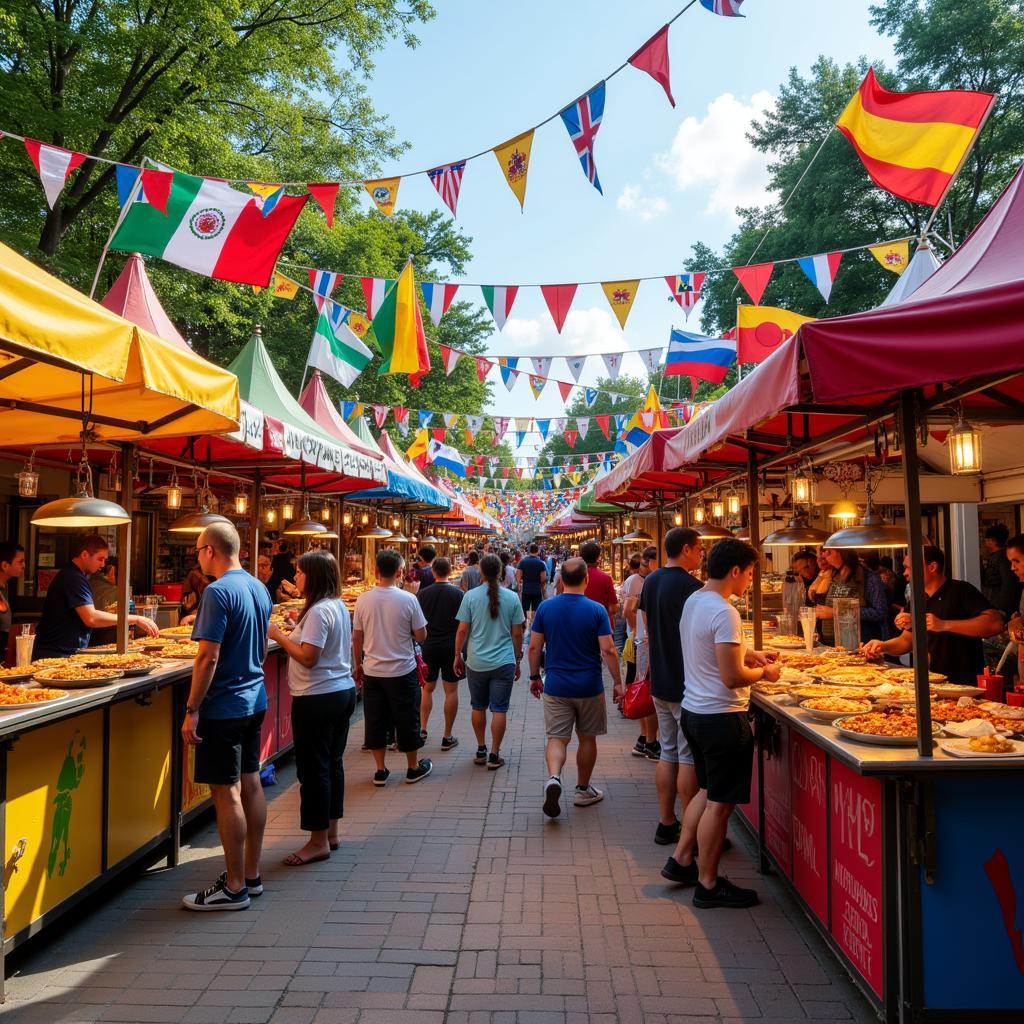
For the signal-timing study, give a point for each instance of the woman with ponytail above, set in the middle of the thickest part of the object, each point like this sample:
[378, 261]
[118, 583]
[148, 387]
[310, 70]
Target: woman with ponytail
[491, 625]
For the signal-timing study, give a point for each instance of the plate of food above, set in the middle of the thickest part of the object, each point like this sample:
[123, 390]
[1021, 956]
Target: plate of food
[983, 746]
[50, 663]
[134, 646]
[907, 678]
[786, 642]
[770, 689]
[815, 690]
[176, 632]
[18, 674]
[957, 690]
[827, 709]
[970, 727]
[881, 728]
[17, 698]
[130, 664]
[850, 675]
[892, 693]
[950, 711]
[78, 677]
[182, 649]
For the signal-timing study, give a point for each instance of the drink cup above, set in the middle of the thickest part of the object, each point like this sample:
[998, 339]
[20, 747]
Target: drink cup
[808, 623]
[23, 645]
[993, 686]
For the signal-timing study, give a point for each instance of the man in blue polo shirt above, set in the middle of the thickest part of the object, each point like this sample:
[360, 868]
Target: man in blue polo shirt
[69, 612]
[575, 634]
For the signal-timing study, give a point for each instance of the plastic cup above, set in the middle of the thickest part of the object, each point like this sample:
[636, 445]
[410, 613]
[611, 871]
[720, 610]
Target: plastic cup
[993, 686]
[808, 623]
[1016, 699]
[23, 645]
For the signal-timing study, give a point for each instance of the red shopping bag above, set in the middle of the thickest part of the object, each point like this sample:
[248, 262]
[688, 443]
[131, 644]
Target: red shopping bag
[637, 701]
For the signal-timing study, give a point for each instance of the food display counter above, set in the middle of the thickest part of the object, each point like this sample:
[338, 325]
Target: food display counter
[101, 781]
[911, 868]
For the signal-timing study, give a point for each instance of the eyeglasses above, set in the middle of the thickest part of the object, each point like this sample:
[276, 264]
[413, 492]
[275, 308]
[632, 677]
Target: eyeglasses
[202, 547]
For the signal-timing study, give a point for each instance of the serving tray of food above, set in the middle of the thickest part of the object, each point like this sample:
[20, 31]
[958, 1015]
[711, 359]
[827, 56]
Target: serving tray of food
[881, 728]
[993, 746]
[78, 677]
[18, 674]
[17, 698]
[828, 709]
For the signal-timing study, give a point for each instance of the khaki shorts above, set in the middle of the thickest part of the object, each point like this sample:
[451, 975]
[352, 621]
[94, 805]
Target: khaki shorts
[674, 747]
[588, 714]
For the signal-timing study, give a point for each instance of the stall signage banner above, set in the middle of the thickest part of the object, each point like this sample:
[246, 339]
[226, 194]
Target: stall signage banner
[777, 815]
[698, 432]
[810, 824]
[273, 434]
[250, 429]
[856, 870]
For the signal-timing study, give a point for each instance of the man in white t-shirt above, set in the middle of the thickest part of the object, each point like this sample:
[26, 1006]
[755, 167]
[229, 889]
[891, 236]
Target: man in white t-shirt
[385, 624]
[715, 720]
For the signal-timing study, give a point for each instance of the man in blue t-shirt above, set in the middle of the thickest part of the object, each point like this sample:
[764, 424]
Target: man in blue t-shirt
[574, 634]
[224, 713]
[531, 576]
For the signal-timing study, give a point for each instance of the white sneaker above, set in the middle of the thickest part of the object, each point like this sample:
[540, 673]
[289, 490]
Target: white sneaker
[587, 795]
[552, 796]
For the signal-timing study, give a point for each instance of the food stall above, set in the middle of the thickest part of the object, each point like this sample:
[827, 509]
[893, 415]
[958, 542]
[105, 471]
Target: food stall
[902, 840]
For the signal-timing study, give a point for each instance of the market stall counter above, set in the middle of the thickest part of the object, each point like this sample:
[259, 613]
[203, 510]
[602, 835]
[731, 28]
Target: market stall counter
[100, 781]
[912, 868]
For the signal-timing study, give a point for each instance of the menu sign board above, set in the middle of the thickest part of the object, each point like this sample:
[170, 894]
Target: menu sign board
[810, 820]
[856, 870]
[777, 816]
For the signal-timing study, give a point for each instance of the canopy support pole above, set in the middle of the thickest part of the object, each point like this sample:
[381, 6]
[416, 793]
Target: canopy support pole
[132, 196]
[754, 525]
[124, 546]
[659, 531]
[919, 632]
[255, 512]
[342, 544]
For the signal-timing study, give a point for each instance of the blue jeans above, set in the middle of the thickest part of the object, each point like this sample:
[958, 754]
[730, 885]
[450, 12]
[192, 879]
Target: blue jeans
[491, 689]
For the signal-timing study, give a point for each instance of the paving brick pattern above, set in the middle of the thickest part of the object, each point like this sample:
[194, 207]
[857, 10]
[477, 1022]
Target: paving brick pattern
[453, 900]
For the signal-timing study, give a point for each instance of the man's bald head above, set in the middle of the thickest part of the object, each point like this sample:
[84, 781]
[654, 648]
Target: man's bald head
[574, 572]
[223, 538]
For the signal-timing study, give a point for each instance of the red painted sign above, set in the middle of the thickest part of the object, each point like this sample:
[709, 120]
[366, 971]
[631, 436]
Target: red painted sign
[856, 870]
[810, 823]
[284, 706]
[777, 815]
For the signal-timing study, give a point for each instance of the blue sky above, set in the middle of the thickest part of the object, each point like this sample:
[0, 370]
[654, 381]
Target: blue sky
[486, 71]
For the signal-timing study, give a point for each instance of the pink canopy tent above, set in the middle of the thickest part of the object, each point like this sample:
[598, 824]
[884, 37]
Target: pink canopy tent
[132, 297]
[315, 400]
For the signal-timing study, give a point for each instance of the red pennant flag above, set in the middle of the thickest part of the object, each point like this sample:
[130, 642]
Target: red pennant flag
[483, 367]
[156, 187]
[380, 414]
[570, 437]
[755, 279]
[559, 298]
[565, 389]
[519, 472]
[439, 433]
[326, 195]
[602, 422]
[505, 472]
[401, 413]
[54, 164]
[652, 57]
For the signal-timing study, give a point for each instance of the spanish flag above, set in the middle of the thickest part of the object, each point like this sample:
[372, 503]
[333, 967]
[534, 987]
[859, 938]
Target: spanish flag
[398, 327]
[913, 143]
[762, 329]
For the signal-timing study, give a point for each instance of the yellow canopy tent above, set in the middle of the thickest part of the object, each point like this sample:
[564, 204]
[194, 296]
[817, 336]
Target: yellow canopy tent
[59, 348]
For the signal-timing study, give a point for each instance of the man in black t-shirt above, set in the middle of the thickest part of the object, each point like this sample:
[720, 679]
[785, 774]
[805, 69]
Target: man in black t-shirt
[440, 603]
[531, 577]
[958, 617]
[661, 604]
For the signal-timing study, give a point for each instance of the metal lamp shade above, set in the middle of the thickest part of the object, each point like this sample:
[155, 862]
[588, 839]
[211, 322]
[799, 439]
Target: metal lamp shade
[709, 531]
[305, 527]
[796, 534]
[373, 533]
[196, 522]
[873, 532]
[81, 510]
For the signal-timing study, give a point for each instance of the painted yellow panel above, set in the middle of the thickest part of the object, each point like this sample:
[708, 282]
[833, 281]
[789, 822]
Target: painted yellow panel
[54, 803]
[140, 774]
[192, 793]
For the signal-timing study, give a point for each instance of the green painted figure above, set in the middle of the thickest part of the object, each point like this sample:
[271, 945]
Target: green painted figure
[71, 772]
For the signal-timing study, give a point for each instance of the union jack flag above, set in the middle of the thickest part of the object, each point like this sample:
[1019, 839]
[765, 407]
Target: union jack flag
[582, 120]
[448, 180]
[726, 8]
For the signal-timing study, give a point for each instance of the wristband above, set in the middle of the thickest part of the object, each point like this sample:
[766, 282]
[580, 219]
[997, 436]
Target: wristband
[535, 679]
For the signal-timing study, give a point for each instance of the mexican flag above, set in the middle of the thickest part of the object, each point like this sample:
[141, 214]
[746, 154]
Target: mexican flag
[210, 228]
[337, 352]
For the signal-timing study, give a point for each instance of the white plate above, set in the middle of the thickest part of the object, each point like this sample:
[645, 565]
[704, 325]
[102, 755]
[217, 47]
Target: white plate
[35, 703]
[831, 716]
[954, 690]
[786, 645]
[875, 740]
[79, 684]
[959, 748]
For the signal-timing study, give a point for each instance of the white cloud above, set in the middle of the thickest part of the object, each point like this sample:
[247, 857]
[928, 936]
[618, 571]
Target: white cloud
[644, 207]
[584, 331]
[713, 153]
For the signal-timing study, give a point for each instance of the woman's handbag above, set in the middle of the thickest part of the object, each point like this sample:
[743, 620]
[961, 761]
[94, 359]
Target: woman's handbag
[637, 701]
[421, 669]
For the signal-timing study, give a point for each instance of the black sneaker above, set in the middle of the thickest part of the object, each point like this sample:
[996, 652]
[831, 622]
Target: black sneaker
[724, 894]
[254, 885]
[380, 777]
[640, 747]
[481, 756]
[421, 771]
[217, 897]
[494, 761]
[552, 797]
[652, 751]
[684, 874]
[423, 734]
[665, 834]
[449, 742]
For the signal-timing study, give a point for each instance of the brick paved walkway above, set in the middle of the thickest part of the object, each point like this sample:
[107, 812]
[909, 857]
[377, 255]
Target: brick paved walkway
[454, 900]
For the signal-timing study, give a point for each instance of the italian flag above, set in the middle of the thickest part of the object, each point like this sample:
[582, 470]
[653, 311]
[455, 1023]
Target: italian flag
[499, 299]
[338, 353]
[211, 229]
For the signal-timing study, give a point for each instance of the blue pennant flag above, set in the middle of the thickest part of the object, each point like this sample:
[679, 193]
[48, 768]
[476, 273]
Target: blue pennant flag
[621, 419]
[544, 426]
[590, 396]
[425, 418]
[347, 408]
[126, 178]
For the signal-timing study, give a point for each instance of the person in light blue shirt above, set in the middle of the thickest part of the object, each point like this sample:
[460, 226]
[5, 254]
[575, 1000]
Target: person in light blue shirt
[491, 623]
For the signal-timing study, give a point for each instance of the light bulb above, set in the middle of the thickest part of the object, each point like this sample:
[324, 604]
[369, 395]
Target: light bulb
[241, 503]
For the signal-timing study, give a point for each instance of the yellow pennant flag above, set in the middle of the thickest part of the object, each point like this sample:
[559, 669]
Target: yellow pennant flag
[514, 161]
[620, 296]
[894, 256]
[281, 287]
[419, 445]
[358, 324]
[384, 192]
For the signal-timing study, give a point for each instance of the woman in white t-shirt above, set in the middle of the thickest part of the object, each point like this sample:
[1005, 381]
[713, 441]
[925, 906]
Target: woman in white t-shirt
[323, 693]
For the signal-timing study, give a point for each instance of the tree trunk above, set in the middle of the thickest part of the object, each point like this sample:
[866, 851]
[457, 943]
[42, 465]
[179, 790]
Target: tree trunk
[53, 230]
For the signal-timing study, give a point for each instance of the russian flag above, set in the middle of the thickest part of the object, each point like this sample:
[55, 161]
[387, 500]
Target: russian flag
[694, 355]
[446, 457]
[821, 270]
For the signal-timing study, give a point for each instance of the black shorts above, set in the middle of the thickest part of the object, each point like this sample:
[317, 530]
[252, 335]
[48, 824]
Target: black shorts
[723, 754]
[439, 663]
[531, 601]
[392, 702]
[230, 749]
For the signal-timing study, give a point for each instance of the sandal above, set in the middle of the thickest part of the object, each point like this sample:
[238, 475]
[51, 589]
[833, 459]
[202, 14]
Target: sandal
[334, 844]
[293, 860]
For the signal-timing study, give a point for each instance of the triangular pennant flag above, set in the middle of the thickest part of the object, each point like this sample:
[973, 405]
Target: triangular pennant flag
[544, 426]
[424, 418]
[469, 435]
[374, 290]
[322, 283]
[507, 368]
[537, 385]
[483, 367]
[514, 160]
[575, 364]
[755, 279]
[520, 441]
[613, 363]
[448, 180]
[126, 178]
[590, 396]
[652, 57]
[565, 389]
[582, 119]
[620, 296]
[570, 438]
[380, 414]
[384, 193]
[418, 448]
[474, 423]
[450, 419]
[439, 433]
[449, 356]
[821, 270]
[499, 299]
[893, 256]
[399, 330]
[647, 419]
[156, 187]
[558, 298]
[726, 8]
[583, 425]
[268, 195]
[348, 410]
[325, 194]
[500, 426]
[285, 288]
[403, 427]
[686, 289]
[541, 365]
[54, 164]
[438, 298]
[651, 357]
[559, 423]
[621, 419]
